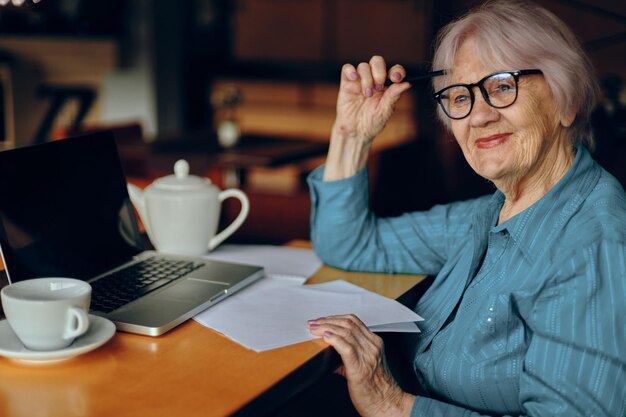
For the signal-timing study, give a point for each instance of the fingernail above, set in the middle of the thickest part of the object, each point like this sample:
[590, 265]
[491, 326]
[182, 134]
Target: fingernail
[379, 87]
[354, 76]
[396, 76]
[327, 334]
[368, 92]
[313, 325]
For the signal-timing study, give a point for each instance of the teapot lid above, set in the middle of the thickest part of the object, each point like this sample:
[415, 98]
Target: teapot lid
[181, 180]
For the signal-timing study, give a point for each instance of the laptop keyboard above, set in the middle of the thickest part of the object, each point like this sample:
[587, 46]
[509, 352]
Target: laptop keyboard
[125, 285]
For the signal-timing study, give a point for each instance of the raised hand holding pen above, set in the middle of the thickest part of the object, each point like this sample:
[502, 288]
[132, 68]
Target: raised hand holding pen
[364, 105]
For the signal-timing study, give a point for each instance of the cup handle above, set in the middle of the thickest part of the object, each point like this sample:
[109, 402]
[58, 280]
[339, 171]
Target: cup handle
[243, 213]
[77, 323]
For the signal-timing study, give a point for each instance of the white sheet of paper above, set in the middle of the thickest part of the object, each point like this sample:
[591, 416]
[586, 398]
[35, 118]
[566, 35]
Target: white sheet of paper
[273, 312]
[277, 260]
[407, 327]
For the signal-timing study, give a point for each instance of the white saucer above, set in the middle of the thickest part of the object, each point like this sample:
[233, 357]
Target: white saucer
[100, 331]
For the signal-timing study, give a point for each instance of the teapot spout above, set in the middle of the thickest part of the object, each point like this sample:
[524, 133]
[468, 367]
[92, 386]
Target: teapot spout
[137, 198]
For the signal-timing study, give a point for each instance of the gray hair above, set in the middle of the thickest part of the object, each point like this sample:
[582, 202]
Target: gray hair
[522, 35]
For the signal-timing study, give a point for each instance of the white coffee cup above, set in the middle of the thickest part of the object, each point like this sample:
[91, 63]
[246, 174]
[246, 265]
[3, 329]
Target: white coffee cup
[47, 313]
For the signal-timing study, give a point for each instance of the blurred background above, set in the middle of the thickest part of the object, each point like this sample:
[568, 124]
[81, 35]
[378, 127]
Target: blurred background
[168, 76]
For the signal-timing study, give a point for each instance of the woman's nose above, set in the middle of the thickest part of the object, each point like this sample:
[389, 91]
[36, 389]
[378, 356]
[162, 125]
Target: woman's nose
[482, 113]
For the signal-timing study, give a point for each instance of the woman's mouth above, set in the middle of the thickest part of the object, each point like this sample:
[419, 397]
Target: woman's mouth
[492, 141]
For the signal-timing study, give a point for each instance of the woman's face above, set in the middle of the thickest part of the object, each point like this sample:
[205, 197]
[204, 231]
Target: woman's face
[507, 145]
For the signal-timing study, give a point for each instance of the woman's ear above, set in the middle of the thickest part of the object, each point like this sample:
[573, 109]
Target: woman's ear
[567, 117]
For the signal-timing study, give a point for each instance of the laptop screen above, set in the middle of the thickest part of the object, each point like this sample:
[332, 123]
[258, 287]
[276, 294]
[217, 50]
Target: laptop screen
[64, 209]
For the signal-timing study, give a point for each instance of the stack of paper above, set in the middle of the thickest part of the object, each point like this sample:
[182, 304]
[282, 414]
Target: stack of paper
[277, 260]
[273, 312]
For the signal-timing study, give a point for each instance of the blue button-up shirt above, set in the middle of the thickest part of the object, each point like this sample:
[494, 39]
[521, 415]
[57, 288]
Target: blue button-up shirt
[527, 317]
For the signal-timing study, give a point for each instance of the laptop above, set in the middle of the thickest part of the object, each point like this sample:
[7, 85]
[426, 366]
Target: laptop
[65, 211]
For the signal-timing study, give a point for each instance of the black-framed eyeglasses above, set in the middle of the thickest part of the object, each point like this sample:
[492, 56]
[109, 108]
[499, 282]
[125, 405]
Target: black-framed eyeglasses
[498, 89]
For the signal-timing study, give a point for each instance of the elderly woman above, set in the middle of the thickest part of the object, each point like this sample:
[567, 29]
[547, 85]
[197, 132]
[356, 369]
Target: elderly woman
[526, 315]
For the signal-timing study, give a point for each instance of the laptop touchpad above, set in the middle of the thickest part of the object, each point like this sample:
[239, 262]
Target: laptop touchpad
[191, 290]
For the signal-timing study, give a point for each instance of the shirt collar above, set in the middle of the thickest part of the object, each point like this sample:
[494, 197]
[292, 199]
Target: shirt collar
[542, 220]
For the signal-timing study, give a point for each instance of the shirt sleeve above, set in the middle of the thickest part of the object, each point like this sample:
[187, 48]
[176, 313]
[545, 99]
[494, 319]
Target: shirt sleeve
[346, 234]
[574, 364]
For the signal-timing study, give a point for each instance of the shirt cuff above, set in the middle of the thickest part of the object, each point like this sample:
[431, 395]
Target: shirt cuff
[336, 203]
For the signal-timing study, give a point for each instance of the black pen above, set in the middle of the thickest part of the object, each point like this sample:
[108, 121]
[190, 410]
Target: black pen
[419, 77]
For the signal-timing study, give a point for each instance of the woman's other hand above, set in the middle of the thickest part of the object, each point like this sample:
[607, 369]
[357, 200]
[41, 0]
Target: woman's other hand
[364, 106]
[372, 389]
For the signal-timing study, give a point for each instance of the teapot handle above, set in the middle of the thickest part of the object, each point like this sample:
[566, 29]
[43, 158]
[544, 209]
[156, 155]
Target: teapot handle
[136, 197]
[243, 213]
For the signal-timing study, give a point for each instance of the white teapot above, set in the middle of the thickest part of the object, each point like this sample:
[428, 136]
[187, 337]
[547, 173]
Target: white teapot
[181, 212]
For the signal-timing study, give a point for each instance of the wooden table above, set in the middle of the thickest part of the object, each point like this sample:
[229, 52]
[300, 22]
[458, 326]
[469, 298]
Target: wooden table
[189, 371]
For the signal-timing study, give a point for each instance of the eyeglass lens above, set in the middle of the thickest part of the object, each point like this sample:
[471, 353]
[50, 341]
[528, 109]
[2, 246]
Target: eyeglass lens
[498, 90]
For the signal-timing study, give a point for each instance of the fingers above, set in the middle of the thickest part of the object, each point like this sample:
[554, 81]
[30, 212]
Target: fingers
[372, 76]
[379, 72]
[372, 389]
[367, 80]
[360, 350]
[341, 324]
[346, 334]
[349, 73]
[397, 73]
